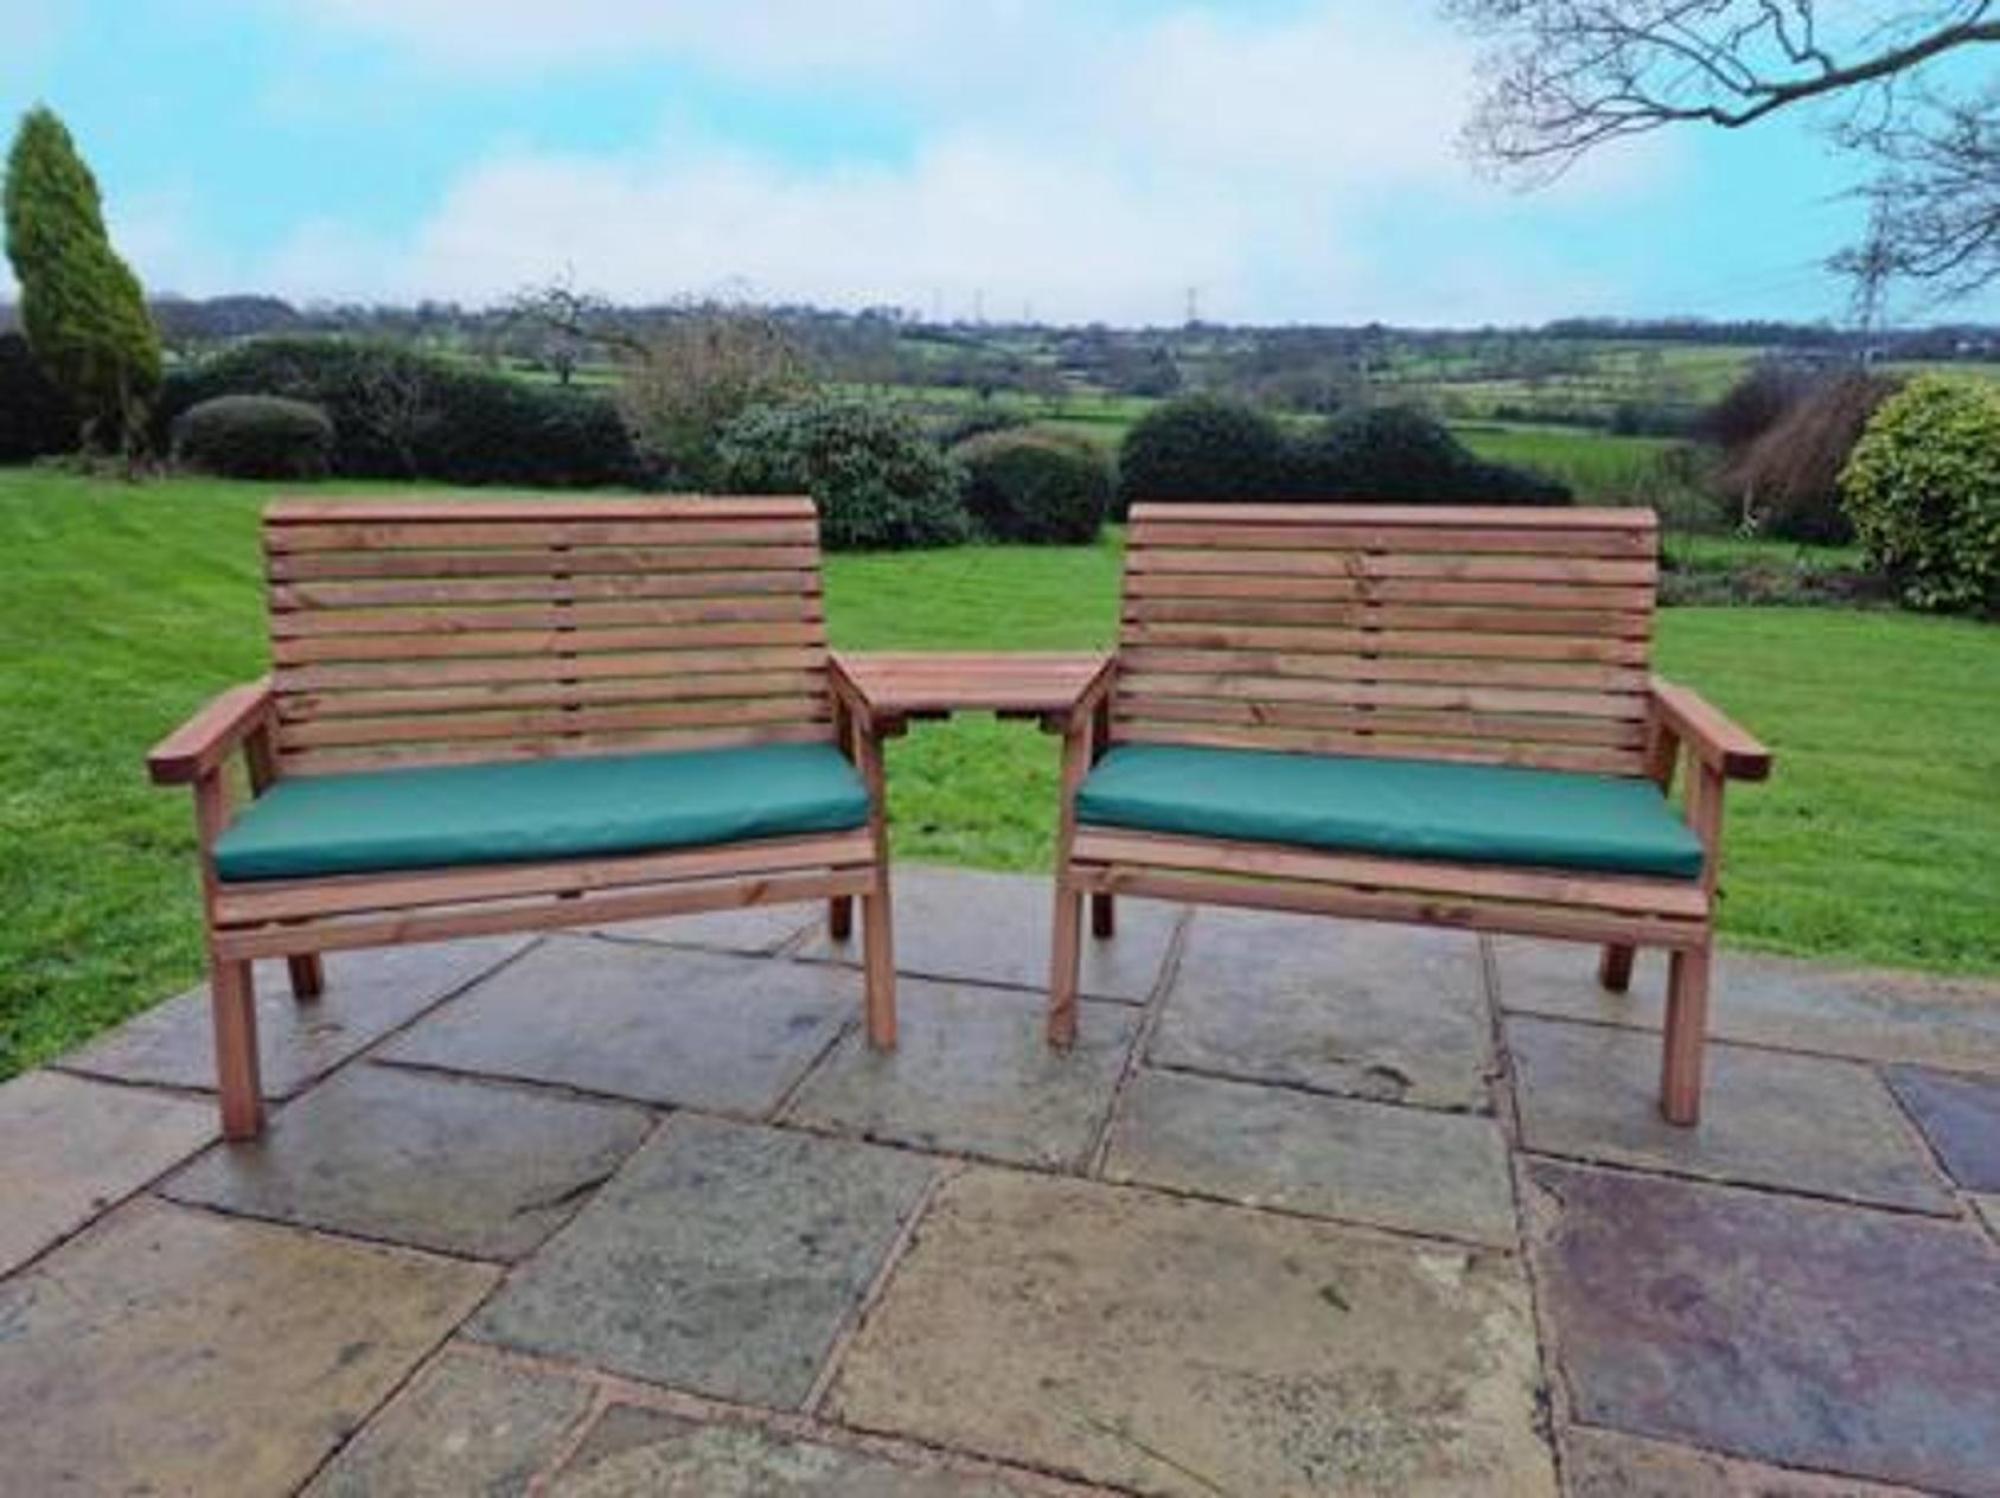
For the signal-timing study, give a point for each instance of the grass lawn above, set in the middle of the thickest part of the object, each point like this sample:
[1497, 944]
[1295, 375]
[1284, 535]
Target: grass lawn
[123, 608]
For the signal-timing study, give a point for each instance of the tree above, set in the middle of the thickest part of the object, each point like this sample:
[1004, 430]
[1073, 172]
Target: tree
[81, 306]
[703, 368]
[1563, 77]
[567, 324]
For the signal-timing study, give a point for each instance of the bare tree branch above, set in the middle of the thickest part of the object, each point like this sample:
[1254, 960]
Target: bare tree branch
[1560, 78]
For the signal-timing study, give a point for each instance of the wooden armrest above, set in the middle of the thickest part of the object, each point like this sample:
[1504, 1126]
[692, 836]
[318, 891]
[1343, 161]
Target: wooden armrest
[848, 690]
[201, 745]
[1092, 694]
[1721, 744]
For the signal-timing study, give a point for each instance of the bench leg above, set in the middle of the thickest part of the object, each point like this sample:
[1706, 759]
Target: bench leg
[1614, 968]
[233, 1003]
[1103, 917]
[1687, 1028]
[1065, 956]
[308, 975]
[878, 964]
[840, 917]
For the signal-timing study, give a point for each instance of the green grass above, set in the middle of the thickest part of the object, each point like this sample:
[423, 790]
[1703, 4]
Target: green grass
[121, 609]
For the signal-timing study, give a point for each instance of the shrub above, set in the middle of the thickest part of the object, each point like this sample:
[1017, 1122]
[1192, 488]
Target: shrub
[1753, 405]
[1923, 490]
[1203, 447]
[1397, 454]
[1035, 486]
[976, 420]
[398, 413]
[35, 418]
[254, 437]
[1787, 481]
[701, 371]
[880, 482]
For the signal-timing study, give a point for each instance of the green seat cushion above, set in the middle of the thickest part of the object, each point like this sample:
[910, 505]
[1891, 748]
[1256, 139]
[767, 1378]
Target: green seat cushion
[452, 815]
[1396, 807]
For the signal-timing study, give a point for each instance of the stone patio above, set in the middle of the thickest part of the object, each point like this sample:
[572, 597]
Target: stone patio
[1312, 1208]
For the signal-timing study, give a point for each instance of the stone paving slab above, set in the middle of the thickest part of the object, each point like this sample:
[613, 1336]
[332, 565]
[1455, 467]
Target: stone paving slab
[1798, 1123]
[1774, 1001]
[1388, 1012]
[1606, 1464]
[973, 1073]
[1374, 1163]
[431, 1161]
[72, 1147]
[1773, 1328]
[994, 929]
[1961, 1118]
[1183, 1348]
[368, 994]
[756, 931]
[173, 1351]
[467, 1424]
[655, 1024]
[723, 1259]
[633, 1452]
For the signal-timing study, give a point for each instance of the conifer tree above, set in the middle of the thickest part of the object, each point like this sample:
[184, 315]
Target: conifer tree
[81, 307]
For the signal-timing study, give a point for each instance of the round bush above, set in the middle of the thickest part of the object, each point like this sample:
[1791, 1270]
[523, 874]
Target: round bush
[1203, 447]
[880, 483]
[254, 437]
[1035, 486]
[1923, 491]
[36, 419]
[1396, 454]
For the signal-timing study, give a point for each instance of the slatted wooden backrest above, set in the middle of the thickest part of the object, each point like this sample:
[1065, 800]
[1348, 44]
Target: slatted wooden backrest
[440, 631]
[1508, 636]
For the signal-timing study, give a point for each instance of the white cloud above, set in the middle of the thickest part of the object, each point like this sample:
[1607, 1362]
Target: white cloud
[1091, 170]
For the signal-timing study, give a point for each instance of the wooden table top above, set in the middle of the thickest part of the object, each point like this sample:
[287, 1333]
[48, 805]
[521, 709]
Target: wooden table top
[927, 684]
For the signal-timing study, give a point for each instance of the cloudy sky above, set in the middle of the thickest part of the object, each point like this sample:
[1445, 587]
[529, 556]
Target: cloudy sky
[1290, 160]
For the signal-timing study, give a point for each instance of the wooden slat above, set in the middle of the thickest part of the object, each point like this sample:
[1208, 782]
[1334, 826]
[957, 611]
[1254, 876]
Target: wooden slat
[465, 620]
[1360, 536]
[433, 728]
[1389, 666]
[307, 706]
[1277, 592]
[345, 594]
[1450, 618]
[568, 642]
[1616, 733]
[1681, 899]
[490, 506]
[1445, 517]
[633, 665]
[454, 535]
[633, 561]
[545, 915]
[263, 901]
[1284, 562]
[1505, 917]
[1535, 754]
[1137, 686]
[1413, 643]
[344, 761]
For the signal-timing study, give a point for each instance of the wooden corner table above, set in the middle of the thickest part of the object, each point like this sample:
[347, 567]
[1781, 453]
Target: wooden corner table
[899, 688]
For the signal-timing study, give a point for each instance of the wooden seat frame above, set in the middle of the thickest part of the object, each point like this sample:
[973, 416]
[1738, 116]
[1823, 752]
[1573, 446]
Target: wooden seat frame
[474, 630]
[1499, 636]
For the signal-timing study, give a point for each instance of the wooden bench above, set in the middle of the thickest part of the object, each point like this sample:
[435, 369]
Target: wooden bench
[1437, 716]
[501, 715]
